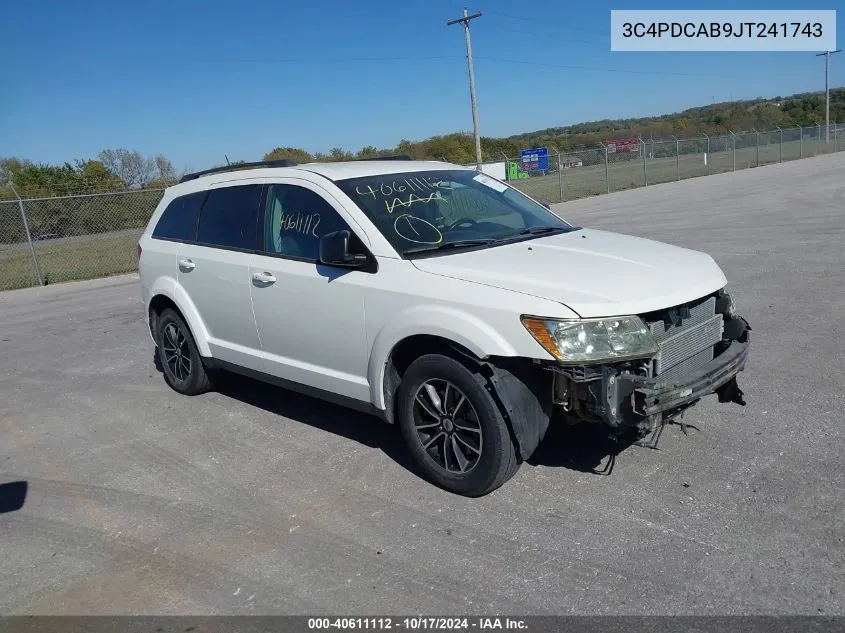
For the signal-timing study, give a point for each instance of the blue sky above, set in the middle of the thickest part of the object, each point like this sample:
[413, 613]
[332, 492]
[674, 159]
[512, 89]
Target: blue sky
[197, 80]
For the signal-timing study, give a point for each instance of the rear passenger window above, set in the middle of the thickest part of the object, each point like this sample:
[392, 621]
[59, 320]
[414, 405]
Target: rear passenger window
[229, 217]
[179, 219]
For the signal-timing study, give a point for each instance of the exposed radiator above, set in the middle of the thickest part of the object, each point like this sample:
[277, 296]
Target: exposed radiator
[689, 365]
[685, 347]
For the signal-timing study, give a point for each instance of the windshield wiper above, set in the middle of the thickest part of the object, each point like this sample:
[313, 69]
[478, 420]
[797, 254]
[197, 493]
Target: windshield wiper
[531, 231]
[451, 245]
[539, 230]
[491, 241]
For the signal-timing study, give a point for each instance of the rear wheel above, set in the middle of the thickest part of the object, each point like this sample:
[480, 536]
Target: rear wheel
[180, 360]
[453, 428]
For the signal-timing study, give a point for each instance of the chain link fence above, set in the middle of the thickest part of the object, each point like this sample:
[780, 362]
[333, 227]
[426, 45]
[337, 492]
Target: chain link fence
[49, 240]
[595, 171]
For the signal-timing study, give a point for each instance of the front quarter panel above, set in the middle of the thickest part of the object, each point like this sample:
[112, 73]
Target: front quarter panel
[404, 301]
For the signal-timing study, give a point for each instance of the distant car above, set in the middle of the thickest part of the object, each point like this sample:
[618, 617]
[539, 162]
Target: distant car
[437, 297]
[47, 236]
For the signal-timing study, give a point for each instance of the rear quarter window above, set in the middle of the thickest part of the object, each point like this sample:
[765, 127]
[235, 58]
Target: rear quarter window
[179, 219]
[229, 217]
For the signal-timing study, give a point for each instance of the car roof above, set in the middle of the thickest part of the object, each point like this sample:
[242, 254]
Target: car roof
[333, 171]
[358, 169]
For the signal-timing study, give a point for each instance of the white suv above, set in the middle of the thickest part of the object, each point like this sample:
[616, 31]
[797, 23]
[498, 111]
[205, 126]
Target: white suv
[438, 298]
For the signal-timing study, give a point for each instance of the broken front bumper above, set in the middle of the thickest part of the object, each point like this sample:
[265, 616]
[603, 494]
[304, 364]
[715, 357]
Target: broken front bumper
[650, 396]
[629, 394]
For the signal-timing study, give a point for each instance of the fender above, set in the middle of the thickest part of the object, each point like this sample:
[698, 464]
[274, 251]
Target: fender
[449, 323]
[167, 286]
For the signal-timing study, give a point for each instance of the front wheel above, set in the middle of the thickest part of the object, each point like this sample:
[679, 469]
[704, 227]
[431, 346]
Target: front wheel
[454, 430]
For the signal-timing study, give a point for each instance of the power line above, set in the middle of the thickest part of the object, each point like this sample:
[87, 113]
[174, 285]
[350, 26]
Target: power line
[547, 25]
[595, 69]
[313, 60]
[497, 60]
[538, 34]
[385, 17]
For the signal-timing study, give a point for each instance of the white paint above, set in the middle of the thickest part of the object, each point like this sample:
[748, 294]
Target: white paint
[494, 184]
[616, 274]
[496, 170]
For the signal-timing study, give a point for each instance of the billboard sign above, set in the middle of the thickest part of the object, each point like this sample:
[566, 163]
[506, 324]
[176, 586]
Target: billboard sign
[619, 146]
[536, 159]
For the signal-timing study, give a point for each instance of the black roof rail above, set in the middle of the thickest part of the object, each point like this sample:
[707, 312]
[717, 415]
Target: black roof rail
[282, 162]
[394, 157]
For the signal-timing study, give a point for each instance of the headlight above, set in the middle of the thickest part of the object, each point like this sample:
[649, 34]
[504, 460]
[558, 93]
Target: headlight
[590, 340]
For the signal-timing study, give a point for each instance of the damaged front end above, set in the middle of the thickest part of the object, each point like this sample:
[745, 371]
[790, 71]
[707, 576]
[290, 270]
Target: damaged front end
[701, 348]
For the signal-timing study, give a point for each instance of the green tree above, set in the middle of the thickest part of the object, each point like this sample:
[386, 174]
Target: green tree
[367, 152]
[8, 166]
[94, 176]
[39, 180]
[46, 180]
[290, 153]
[339, 154]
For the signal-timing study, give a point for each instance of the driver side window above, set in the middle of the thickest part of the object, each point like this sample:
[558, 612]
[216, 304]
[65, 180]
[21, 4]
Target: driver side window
[295, 219]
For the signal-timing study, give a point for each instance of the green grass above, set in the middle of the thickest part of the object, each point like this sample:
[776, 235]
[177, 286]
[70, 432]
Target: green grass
[84, 259]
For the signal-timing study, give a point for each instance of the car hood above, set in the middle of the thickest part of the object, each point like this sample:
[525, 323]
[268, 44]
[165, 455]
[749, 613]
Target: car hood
[594, 273]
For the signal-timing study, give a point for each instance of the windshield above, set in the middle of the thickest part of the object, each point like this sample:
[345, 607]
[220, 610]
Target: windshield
[428, 211]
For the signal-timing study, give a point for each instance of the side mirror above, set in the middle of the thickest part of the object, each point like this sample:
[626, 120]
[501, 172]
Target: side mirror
[334, 251]
[546, 204]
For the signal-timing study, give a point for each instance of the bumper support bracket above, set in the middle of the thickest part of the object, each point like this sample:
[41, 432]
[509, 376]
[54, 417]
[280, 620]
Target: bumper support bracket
[653, 395]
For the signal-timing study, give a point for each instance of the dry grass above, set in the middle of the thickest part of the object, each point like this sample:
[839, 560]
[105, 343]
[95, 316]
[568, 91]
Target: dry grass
[69, 261]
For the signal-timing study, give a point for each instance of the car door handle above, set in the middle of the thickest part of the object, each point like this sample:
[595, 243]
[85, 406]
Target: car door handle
[264, 278]
[186, 264]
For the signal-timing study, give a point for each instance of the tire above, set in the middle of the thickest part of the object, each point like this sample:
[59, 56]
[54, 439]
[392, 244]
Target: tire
[434, 439]
[181, 362]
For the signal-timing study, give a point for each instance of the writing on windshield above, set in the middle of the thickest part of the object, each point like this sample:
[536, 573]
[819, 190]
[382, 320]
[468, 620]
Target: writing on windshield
[441, 207]
[404, 192]
[416, 230]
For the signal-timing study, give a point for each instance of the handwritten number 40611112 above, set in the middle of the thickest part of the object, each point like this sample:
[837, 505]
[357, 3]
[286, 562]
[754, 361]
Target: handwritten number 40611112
[394, 188]
[304, 223]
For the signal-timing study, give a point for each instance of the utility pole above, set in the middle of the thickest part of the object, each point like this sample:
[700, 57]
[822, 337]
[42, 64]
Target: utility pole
[465, 21]
[827, 55]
